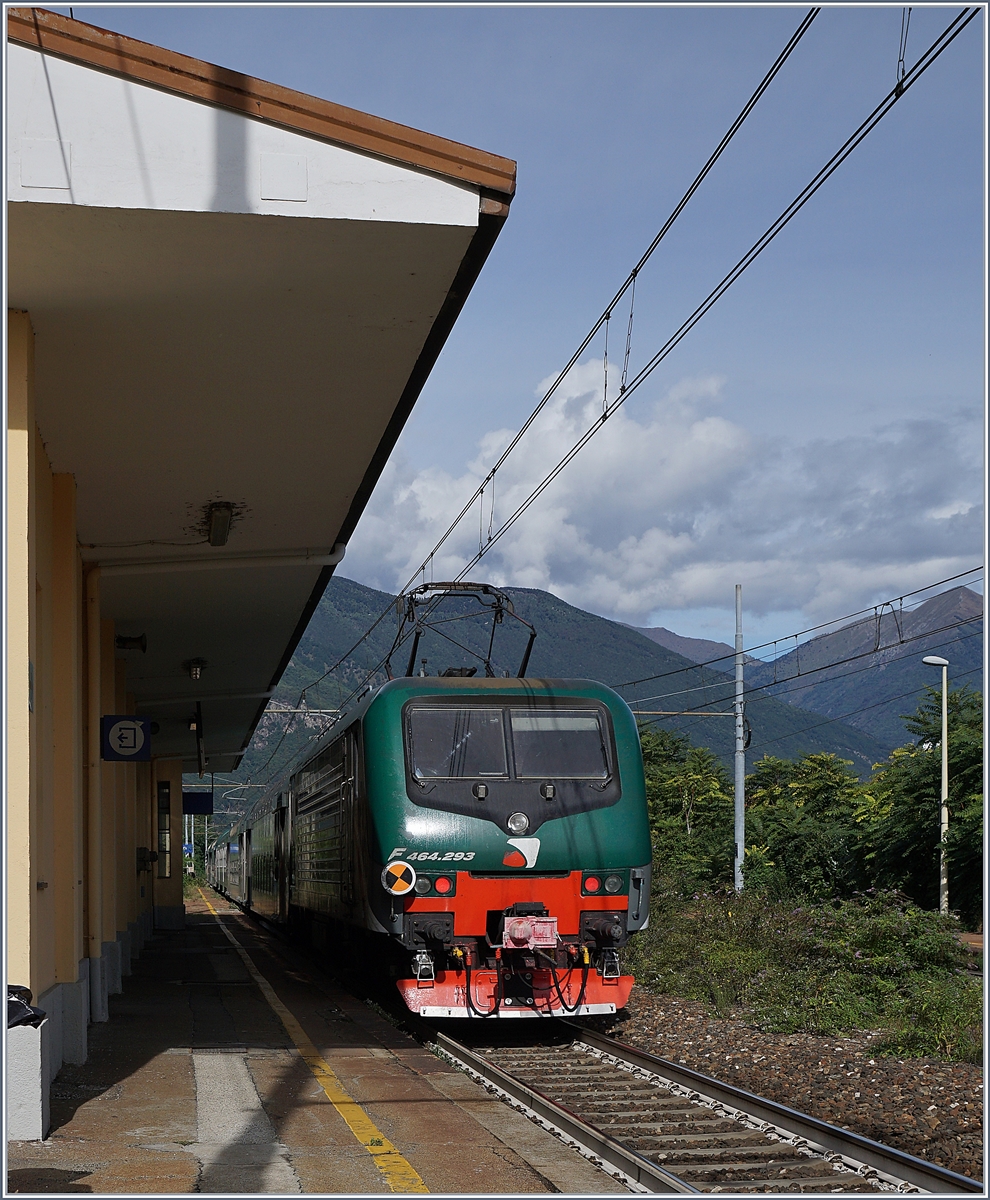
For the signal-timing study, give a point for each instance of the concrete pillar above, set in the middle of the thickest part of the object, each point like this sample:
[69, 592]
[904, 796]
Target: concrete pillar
[75, 1016]
[50, 1003]
[28, 1075]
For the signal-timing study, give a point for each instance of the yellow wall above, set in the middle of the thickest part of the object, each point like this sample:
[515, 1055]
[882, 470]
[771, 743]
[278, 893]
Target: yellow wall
[68, 716]
[42, 820]
[20, 601]
[63, 902]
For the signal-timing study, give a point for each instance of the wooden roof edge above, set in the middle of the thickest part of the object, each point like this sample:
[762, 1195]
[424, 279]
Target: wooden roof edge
[41, 29]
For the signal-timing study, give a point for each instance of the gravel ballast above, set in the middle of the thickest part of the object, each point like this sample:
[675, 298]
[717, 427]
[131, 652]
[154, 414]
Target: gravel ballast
[929, 1108]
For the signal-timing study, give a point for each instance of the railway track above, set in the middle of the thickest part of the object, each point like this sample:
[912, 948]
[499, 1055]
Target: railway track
[661, 1127]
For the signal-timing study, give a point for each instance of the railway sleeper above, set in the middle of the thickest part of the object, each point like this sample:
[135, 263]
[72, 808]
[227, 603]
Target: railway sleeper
[821, 1183]
[736, 1153]
[615, 1117]
[773, 1168]
[627, 1127]
[746, 1137]
[605, 1094]
[575, 1074]
[649, 1116]
[595, 1087]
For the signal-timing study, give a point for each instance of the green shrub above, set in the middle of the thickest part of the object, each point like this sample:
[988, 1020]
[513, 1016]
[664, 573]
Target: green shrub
[876, 961]
[937, 1018]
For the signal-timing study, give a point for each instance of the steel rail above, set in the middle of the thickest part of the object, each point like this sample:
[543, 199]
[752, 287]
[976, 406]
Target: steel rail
[648, 1175]
[897, 1164]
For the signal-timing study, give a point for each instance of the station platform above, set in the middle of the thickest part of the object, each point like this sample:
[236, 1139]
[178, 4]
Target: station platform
[229, 1065]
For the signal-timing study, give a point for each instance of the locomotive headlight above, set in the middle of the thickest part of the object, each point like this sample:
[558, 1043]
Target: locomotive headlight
[423, 885]
[613, 883]
[518, 822]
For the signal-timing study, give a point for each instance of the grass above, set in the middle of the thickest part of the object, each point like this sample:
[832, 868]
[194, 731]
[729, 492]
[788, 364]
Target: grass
[876, 962]
[190, 883]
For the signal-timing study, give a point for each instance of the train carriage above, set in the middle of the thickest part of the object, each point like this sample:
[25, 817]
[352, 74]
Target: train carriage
[492, 831]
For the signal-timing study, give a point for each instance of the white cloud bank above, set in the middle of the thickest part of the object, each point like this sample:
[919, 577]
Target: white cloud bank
[672, 504]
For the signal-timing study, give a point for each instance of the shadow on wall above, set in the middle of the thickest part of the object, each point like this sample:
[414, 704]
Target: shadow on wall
[230, 165]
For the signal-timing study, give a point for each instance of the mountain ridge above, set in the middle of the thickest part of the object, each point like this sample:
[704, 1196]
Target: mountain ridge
[570, 643]
[883, 663]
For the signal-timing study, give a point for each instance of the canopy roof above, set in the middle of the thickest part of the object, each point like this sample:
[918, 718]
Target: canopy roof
[237, 292]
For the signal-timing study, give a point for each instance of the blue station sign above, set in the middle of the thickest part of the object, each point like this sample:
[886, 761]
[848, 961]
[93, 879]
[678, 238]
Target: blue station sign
[198, 803]
[125, 739]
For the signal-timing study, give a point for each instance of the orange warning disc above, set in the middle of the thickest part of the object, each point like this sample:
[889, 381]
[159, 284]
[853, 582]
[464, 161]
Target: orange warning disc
[398, 878]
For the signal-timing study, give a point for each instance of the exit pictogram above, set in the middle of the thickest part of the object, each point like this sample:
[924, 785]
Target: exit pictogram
[125, 739]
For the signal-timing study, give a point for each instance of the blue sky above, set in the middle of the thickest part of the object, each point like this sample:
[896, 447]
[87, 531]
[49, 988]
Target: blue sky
[818, 437]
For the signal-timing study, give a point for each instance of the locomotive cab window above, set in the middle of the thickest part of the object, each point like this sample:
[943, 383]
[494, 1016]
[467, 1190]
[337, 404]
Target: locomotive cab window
[558, 745]
[494, 760]
[457, 743]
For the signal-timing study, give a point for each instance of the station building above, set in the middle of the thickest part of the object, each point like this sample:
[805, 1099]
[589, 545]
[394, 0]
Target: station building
[224, 298]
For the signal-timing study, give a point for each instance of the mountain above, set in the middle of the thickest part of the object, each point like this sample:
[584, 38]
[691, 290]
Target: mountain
[698, 650]
[869, 672]
[570, 643]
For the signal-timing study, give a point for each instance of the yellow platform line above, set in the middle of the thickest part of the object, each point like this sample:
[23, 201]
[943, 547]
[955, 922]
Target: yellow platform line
[399, 1174]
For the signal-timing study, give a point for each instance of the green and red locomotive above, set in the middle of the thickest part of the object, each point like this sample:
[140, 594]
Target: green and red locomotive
[493, 830]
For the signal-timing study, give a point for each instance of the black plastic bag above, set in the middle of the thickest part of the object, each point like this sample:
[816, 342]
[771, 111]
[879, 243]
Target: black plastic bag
[19, 1008]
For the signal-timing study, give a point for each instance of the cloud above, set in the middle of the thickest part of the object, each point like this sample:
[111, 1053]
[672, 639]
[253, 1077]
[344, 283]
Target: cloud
[673, 503]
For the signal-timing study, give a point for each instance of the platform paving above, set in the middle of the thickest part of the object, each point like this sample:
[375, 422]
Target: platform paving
[197, 1084]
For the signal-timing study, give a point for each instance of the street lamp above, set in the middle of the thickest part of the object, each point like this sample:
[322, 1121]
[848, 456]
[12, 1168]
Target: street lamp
[943, 858]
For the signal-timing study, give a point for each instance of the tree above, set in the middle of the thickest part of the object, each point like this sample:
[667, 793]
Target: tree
[900, 814]
[801, 833]
[690, 805]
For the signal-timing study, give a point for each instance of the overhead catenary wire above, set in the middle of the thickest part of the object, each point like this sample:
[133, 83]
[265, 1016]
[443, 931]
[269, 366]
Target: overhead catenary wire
[843, 620]
[854, 712]
[784, 690]
[948, 35]
[699, 712]
[346, 700]
[605, 317]
[764, 687]
[630, 279]
[630, 282]
[902, 47]
[776, 683]
[752, 691]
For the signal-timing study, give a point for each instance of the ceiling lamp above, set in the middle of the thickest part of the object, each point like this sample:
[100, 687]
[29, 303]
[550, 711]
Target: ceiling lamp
[218, 517]
[140, 642]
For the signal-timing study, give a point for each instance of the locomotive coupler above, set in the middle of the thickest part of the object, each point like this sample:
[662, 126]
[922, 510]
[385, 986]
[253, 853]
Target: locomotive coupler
[610, 964]
[423, 967]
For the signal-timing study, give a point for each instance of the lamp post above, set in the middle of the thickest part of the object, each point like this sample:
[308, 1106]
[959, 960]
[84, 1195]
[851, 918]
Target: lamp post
[943, 858]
